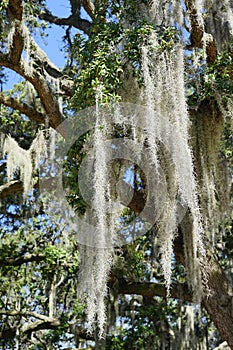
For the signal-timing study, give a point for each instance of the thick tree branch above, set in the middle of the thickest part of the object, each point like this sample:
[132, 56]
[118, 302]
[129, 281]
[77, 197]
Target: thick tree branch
[15, 9]
[45, 93]
[29, 70]
[11, 188]
[89, 8]
[75, 7]
[197, 28]
[2, 167]
[40, 325]
[198, 37]
[15, 14]
[18, 44]
[219, 303]
[30, 112]
[42, 322]
[150, 289]
[47, 67]
[15, 186]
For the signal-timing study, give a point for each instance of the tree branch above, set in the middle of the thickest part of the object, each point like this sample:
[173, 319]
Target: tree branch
[22, 260]
[29, 70]
[39, 325]
[30, 112]
[2, 166]
[15, 9]
[11, 188]
[15, 15]
[198, 37]
[73, 20]
[44, 322]
[197, 29]
[45, 93]
[89, 8]
[75, 7]
[15, 186]
[150, 289]
[26, 313]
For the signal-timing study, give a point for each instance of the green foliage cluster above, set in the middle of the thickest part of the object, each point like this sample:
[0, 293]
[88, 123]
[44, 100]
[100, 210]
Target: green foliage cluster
[140, 332]
[219, 75]
[154, 323]
[111, 48]
[49, 263]
[71, 168]
[211, 81]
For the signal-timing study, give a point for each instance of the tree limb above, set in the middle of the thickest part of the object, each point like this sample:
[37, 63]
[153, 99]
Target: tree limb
[22, 260]
[45, 93]
[44, 322]
[15, 15]
[72, 20]
[89, 8]
[39, 325]
[2, 166]
[14, 61]
[75, 7]
[11, 188]
[30, 112]
[15, 186]
[198, 37]
[26, 313]
[197, 29]
[150, 289]
[15, 9]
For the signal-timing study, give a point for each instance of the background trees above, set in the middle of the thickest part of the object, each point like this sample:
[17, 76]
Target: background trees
[40, 263]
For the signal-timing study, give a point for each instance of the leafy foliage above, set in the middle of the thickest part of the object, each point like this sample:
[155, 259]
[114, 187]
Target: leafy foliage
[108, 52]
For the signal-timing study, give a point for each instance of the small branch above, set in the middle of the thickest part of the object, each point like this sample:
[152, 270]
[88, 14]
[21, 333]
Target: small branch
[30, 112]
[22, 260]
[26, 313]
[40, 325]
[44, 322]
[74, 21]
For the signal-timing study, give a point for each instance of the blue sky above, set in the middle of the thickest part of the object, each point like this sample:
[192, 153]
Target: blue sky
[54, 45]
